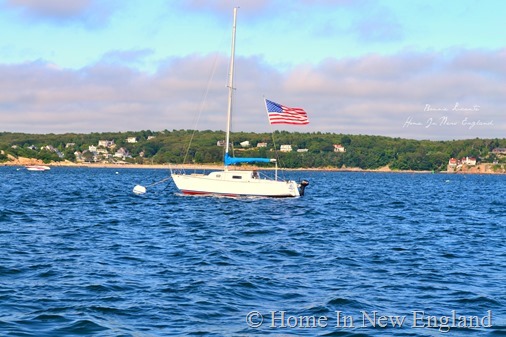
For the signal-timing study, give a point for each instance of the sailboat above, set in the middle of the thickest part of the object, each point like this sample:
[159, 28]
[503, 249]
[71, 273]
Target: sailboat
[236, 183]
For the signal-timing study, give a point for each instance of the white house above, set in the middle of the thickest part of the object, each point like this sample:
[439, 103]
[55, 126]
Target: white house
[132, 140]
[285, 148]
[245, 143]
[261, 144]
[469, 161]
[79, 156]
[339, 148]
[453, 162]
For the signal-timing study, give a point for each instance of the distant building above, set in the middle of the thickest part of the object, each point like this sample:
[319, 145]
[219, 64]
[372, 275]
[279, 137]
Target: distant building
[151, 137]
[339, 148]
[79, 156]
[469, 161]
[70, 145]
[92, 148]
[220, 143]
[106, 143]
[245, 143]
[285, 148]
[302, 150]
[51, 148]
[456, 165]
[122, 153]
[132, 140]
[261, 144]
[499, 150]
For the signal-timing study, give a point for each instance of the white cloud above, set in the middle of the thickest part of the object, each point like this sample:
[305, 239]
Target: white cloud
[368, 95]
[89, 12]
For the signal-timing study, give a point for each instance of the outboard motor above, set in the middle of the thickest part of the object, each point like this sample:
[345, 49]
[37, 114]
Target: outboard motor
[302, 186]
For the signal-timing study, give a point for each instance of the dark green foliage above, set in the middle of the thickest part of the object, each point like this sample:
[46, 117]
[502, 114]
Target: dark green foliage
[366, 152]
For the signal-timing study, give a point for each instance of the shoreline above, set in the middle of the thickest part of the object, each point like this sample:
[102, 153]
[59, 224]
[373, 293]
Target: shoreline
[478, 169]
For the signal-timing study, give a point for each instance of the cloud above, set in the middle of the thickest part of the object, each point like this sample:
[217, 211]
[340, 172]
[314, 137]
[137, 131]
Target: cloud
[52, 8]
[364, 95]
[89, 12]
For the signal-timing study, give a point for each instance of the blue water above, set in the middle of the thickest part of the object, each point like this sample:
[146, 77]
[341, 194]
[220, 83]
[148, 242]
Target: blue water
[82, 255]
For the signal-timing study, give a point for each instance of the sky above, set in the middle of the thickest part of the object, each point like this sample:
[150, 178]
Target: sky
[418, 69]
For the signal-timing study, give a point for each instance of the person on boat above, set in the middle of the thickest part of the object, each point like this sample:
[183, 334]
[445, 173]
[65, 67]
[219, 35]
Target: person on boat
[254, 175]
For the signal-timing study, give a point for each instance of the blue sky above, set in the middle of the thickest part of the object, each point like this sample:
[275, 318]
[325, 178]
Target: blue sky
[412, 69]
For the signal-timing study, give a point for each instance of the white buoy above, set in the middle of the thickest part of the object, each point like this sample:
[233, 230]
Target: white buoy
[138, 189]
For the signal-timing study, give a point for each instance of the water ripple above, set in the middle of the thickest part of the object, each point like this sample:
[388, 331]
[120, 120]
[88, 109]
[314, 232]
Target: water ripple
[82, 255]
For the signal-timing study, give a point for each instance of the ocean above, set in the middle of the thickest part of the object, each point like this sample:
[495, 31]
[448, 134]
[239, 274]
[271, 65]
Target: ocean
[361, 254]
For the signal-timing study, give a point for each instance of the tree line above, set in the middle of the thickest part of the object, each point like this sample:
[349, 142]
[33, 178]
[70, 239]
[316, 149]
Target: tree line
[200, 147]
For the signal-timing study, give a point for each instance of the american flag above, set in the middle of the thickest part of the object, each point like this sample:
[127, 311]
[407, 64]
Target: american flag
[280, 114]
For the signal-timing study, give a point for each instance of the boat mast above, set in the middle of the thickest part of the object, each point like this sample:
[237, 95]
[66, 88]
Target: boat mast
[230, 86]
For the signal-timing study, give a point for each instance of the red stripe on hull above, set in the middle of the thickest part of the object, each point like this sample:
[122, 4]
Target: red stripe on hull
[188, 192]
[207, 193]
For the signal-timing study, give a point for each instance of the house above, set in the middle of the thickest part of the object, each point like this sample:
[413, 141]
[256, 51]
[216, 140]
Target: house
[122, 153]
[92, 148]
[285, 148]
[79, 156]
[261, 144]
[220, 143]
[151, 137]
[499, 150]
[302, 150]
[245, 143]
[131, 140]
[51, 148]
[106, 143]
[70, 145]
[453, 162]
[468, 161]
[339, 148]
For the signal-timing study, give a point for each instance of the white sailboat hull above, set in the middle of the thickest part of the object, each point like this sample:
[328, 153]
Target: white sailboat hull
[234, 184]
[38, 168]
